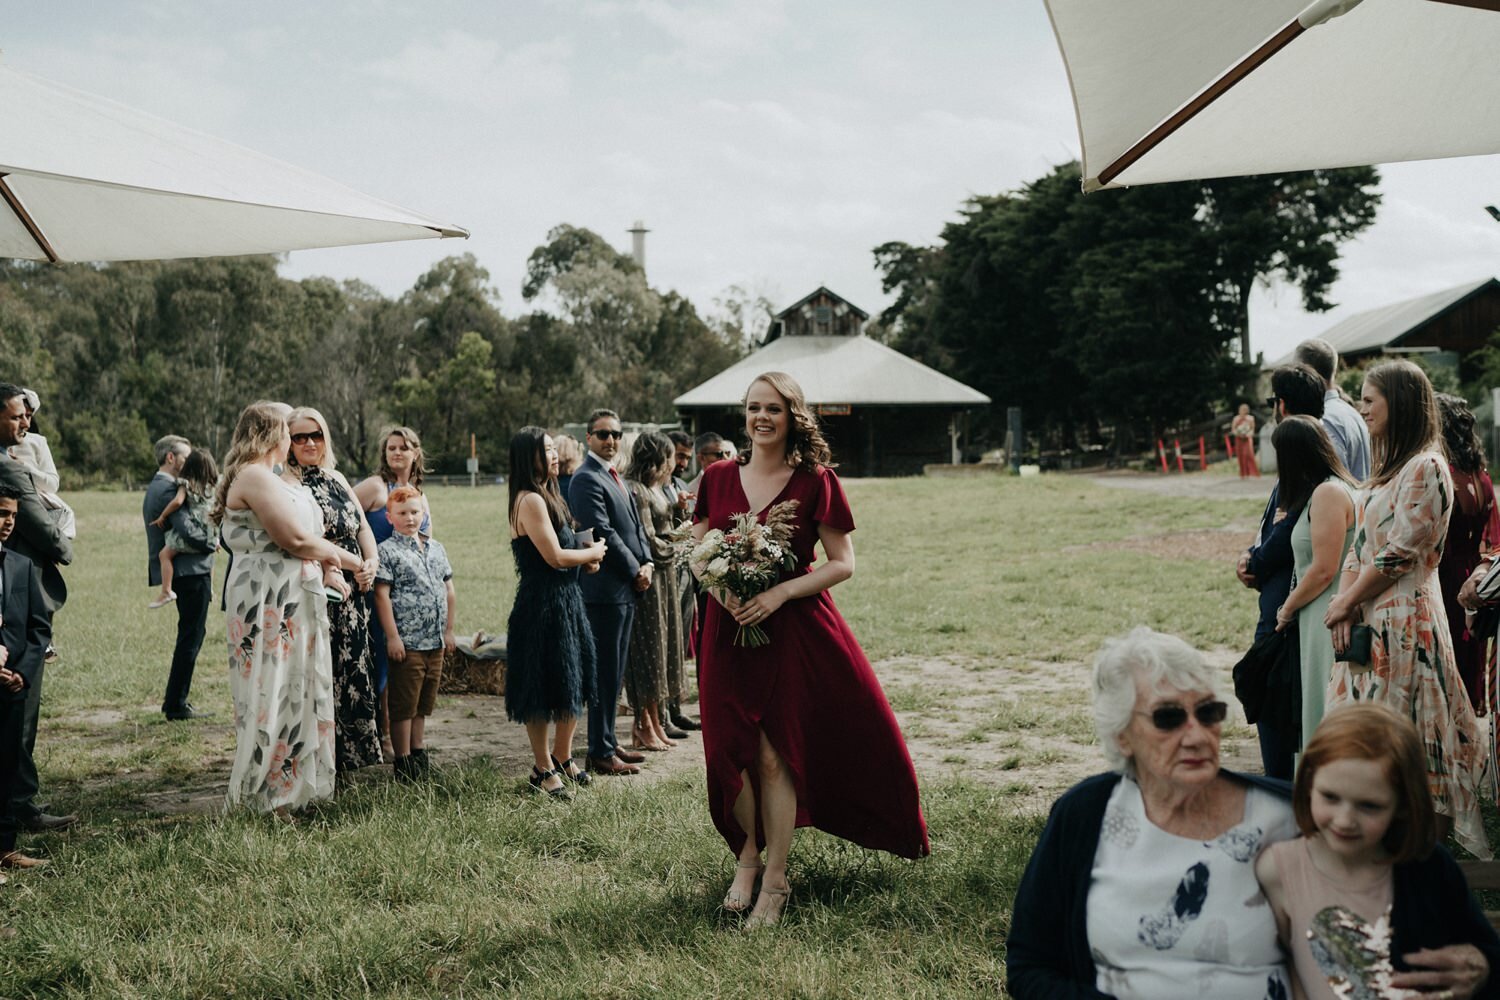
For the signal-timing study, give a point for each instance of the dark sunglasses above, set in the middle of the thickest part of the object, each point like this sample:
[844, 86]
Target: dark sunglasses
[1271, 402]
[1170, 717]
[608, 434]
[719, 454]
[308, 436]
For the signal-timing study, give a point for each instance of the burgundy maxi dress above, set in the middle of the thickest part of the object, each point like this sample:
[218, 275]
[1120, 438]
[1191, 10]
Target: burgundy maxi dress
[811, 691]
[1474, 525]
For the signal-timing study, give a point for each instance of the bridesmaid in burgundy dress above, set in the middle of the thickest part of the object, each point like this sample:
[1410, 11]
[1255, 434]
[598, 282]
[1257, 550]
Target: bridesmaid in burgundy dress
[797, 732]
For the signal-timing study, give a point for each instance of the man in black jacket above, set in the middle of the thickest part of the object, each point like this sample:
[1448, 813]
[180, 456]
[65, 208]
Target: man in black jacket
[39, 538]
[1267, 565]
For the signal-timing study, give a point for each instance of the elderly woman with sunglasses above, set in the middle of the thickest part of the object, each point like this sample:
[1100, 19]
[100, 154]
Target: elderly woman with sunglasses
[1143, 882]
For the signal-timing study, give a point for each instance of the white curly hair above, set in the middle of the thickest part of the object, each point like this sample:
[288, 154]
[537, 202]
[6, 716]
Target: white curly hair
[1152, 659]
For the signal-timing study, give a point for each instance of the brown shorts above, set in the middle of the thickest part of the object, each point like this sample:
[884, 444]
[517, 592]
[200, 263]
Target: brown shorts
[413, 686]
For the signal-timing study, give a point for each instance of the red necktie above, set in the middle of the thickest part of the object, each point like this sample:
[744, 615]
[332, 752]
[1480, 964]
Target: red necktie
[616, 477]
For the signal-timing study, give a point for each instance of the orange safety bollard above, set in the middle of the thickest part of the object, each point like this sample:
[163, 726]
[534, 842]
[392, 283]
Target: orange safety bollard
[1202, 454]
[1177, 447]
[1161, 451]
[1228, 448]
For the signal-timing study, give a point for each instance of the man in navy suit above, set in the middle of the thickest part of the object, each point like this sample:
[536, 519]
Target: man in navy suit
[600, 501]
[26, 631]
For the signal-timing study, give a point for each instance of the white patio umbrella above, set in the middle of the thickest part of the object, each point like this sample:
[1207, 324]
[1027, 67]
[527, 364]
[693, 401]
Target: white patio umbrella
[1175, 89]
[88, 179]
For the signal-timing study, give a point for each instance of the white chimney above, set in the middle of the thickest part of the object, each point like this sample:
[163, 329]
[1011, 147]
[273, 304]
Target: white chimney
[638, 243]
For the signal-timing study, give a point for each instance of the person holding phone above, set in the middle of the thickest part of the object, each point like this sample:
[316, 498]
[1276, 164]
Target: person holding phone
[550, 663]
[1390, 583]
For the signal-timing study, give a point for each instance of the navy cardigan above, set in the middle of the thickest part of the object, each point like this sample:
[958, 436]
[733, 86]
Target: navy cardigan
[1047, 951]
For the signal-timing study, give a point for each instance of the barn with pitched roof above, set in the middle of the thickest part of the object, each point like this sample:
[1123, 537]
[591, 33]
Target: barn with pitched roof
[884, 414]
[1445, 326]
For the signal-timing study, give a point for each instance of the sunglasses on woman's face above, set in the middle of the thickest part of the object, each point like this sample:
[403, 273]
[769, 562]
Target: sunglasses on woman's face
[1171, 716]
[307, 436]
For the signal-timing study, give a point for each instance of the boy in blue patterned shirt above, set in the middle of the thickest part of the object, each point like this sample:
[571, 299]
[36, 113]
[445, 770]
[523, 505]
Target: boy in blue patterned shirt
[414, 598]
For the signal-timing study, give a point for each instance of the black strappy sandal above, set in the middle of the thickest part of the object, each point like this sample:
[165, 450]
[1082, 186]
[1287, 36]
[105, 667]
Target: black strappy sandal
[538, 776]
[579, 776]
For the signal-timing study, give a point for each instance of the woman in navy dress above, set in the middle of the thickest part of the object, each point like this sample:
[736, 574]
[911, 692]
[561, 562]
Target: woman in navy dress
[796, 732]
[549, 669]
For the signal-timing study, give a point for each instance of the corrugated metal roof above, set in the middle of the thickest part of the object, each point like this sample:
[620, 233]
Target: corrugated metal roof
[1376, 328]
[854, 370]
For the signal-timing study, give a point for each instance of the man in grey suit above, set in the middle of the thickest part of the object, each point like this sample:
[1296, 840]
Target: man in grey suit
[192, 574]
[38, 537]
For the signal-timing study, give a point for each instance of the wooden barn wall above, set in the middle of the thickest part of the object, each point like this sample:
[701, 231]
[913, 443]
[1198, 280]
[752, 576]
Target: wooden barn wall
[1464, 329]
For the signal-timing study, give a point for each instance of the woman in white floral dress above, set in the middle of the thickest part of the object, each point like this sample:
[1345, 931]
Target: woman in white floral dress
[276, 612]
[1390, 583]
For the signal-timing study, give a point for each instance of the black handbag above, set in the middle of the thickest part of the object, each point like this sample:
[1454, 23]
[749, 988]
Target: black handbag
[1268, 681]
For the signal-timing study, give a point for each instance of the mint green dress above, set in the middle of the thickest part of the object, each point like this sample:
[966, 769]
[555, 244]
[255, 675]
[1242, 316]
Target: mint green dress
[1316, 642]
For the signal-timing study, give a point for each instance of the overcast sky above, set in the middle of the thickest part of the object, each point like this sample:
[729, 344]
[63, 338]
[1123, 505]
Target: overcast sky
[766, 143]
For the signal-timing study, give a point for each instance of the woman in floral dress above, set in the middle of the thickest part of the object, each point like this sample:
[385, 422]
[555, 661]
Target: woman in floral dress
[1390, 583]
[356, 735]
[276, 613]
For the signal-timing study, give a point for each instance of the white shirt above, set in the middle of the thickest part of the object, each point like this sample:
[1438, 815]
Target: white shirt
[1173, 917]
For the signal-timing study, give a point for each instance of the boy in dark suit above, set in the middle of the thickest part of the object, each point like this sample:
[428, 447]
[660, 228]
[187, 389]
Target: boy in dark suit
[600, 501]
[26, 631]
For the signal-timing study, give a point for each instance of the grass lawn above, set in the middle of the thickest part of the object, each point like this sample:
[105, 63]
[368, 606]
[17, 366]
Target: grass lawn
[471, 887]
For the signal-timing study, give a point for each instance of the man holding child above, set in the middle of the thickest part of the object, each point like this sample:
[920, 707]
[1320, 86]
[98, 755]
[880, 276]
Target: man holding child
[192, 573]
[39, 537]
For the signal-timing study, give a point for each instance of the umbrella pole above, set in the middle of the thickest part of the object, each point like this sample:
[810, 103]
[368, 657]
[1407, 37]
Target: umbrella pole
[26, 220]
[1211, 93]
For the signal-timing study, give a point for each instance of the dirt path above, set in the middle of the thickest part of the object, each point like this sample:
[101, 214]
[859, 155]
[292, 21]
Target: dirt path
[1211, 485]
[1024, 729]
[1021, 727]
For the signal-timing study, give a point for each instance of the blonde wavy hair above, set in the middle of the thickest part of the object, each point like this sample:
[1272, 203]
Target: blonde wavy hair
[806, 448]
[308, 413]
[259, 431]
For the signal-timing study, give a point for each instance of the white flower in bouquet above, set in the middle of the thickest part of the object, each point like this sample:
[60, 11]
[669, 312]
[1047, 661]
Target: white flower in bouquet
[748, 560]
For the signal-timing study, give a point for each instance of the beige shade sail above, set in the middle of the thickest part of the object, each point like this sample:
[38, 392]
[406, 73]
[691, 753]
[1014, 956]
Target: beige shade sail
[1169, 90]
[84, 178]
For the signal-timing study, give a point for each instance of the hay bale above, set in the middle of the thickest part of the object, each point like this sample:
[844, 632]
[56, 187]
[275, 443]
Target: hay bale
[477, 666]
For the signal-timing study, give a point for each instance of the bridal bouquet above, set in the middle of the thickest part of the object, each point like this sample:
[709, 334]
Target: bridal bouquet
[748, 559]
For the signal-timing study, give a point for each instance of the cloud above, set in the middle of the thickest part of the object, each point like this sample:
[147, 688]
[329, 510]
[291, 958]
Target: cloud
[188, 81]
[461, 68]
[706, 35]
